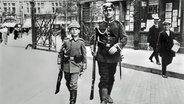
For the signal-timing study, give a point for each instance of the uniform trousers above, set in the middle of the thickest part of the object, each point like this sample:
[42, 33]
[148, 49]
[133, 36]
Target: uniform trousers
[71, 80]
[106, 72]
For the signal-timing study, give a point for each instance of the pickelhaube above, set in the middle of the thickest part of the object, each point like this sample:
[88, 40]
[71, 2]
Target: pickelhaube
[108, 5]
[74, 24]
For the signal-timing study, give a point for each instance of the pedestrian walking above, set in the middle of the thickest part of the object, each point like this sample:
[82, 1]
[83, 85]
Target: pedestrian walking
[74, 59]
[111, 38]
[165, 44]
[152, 39]
[4, 32]
[16, 33]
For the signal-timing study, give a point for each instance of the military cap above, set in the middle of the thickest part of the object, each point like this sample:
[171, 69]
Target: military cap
[108, 5]
[74, 24]
[166, 23]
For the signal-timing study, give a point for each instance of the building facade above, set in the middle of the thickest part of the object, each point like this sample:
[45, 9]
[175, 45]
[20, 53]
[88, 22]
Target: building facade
[21, 9]
[137, 17]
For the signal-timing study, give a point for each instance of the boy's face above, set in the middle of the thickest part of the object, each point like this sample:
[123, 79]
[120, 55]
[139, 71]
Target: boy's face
[108, 13]
[74, 31]
[167, 27]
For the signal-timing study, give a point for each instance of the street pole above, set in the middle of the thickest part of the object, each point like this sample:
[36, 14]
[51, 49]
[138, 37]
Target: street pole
[33, 24]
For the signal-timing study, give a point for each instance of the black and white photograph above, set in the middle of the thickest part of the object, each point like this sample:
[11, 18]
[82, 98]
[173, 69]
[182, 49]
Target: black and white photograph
[91, 52]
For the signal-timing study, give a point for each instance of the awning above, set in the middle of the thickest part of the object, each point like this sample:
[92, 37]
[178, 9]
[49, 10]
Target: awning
[9, 24]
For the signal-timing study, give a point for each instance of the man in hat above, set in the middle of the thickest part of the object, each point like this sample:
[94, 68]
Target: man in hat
[111, 38]
[74, 59]
[152, 39]
[165, 43]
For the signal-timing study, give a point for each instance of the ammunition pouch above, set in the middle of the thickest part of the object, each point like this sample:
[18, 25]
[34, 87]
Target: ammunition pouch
[77, 59]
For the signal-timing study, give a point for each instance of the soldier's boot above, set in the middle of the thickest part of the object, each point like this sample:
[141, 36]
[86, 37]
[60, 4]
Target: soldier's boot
[103, 95]
[110, 100]
[73, 96]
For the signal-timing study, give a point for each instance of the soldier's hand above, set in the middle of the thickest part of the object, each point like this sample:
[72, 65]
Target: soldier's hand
[113, 50]
[84, 67]
[59, 67]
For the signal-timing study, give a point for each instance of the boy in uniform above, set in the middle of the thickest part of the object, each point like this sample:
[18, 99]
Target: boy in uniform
[74, 59]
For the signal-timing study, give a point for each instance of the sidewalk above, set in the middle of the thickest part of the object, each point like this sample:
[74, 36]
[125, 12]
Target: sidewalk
[139, 60]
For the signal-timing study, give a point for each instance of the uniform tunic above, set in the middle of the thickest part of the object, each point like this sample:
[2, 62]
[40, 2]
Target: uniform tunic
[73, 48]
[108, 34]
[117, 36]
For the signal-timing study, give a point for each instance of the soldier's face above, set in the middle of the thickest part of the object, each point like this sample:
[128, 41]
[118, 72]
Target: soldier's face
[108, 13]
[74, 31]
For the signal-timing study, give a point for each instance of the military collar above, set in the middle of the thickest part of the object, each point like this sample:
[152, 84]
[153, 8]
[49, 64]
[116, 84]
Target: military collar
[75, 39]
[109, 21]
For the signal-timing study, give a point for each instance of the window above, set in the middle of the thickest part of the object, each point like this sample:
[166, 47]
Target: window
[53, 9]
[13, 9]
[56, 4]
[38, 4]
[5, 4]
[5, 9]
[52, 4]
[38, 9]
[13, 4]
[129, 18]
[27, 9]
[42, 4]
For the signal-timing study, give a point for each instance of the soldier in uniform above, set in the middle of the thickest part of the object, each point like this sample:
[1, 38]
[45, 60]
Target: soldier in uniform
[74, 59]
[111, 38]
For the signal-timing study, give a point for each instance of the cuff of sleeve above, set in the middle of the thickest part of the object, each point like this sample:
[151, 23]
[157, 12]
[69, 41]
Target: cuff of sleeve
[118, 47]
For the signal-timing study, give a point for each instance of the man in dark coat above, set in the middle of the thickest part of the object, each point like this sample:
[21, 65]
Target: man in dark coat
[165, 43]
[153, 38]
[111, 38]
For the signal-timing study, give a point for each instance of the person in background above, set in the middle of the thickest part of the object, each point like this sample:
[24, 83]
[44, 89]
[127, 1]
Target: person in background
[74, 59]
[63, 33]
[110, 38]
[153, 38]
[165, 43]
[16, 33]
[4, 32]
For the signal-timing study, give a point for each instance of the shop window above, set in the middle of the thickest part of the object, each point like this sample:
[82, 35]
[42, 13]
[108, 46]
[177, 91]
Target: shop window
[129, 18]
[172, 15]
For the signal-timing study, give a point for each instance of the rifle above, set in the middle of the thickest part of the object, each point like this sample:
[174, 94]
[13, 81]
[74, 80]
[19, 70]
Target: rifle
[94, 70]
[60, 74]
